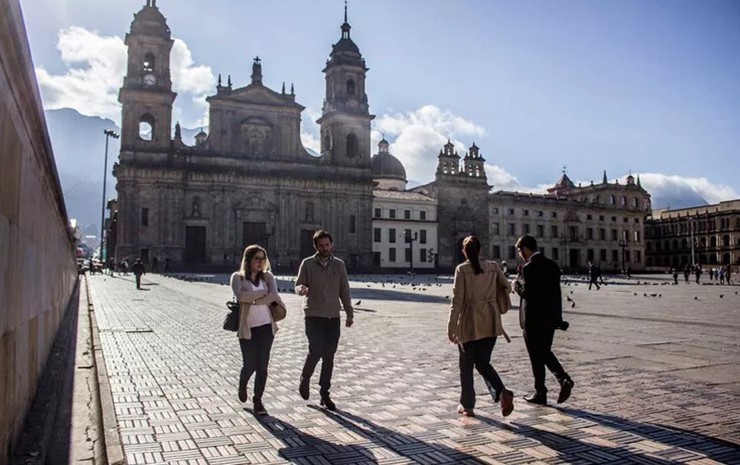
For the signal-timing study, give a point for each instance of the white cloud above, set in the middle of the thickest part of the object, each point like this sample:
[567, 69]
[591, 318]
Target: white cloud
[668, 189]
[417, 136]
[310, 130]
[96, 65]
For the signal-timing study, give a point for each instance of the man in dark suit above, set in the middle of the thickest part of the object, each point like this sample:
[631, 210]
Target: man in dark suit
[540, 313]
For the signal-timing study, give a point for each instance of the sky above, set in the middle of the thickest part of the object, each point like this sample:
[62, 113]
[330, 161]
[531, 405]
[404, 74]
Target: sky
[649, 87]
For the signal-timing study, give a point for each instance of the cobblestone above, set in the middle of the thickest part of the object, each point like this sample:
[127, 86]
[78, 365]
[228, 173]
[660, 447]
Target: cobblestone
[657, 379]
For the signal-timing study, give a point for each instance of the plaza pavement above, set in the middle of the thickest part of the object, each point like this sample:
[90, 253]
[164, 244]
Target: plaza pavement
[656, 373]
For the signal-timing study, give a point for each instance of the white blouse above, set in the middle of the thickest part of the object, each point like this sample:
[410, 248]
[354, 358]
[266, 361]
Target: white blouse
[258, 315]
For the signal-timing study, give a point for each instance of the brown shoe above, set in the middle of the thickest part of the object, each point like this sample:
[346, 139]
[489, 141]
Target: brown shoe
[507, 402]
[466, 412]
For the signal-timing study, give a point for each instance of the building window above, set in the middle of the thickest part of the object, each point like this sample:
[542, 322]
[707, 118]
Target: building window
[590, 255]
[392, 235]
[602, 255]
[540, 214]
[625, 220]
[496, 229]
[496, 251]
[526, 212]
[614, 235]
[636, 236]
[554, 214]
[525, 228]
[554, 232]
[422, 236]
[615, 256]
[377, 235]
[423, 255]
[511, 229]
[637, 221]
[423, 215]
[494, 211]
[635, 202]
[602, 234]
[601, 217]
[392, 213]
[589, 217]
[145, 217]
[352, 224]
[512, 252]
[589, 233]
[352, 145]
[510, 212]
[378, 213]
[614, 219]
[146, 127]
[624, 201]
[407, 214]
[149, 63]
[612, 200]
[638, 256]
[540, 231]
[574, 233]
[555, 253]
[392, 254]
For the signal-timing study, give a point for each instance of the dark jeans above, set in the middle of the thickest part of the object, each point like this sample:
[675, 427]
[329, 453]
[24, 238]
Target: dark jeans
[138, 281]
[256, 357]
[323, 339]
[593, 281]
[538, 340]
[477, 354]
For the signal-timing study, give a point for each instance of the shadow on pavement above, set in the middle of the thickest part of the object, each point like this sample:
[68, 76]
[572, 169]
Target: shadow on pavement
[401, 444]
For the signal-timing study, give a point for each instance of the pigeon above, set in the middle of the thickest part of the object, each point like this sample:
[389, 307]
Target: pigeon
[696, 298]
[573, 305]
[447, 297]
[634, 293]
[358, 303]
[568, 299]
[721, 295]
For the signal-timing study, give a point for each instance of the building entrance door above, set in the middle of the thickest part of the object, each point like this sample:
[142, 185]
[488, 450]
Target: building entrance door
[575, 259]
[195, 244]
[254, 233]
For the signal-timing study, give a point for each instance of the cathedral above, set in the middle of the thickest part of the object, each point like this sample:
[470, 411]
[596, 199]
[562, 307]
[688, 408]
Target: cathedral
[248, 179]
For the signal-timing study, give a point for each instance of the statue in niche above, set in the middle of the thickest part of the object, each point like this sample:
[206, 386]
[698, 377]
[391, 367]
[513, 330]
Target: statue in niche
[195, 208]
[309, 212]
[257, 137]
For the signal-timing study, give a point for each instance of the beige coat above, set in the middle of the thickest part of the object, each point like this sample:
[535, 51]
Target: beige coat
[246, 298]
[478, 302]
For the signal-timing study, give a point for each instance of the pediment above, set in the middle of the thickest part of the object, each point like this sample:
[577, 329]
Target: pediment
[259, 95]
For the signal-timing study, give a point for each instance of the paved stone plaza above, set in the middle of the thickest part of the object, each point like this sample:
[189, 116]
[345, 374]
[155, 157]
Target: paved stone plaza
[657, 379]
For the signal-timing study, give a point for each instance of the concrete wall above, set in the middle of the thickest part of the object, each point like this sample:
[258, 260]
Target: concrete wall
[37, 261]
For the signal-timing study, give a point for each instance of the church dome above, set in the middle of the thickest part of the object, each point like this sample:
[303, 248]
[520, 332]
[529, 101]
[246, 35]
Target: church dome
[385, 165]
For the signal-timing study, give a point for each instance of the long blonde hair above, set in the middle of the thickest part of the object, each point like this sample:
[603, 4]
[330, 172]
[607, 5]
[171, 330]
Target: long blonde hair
[249, 252]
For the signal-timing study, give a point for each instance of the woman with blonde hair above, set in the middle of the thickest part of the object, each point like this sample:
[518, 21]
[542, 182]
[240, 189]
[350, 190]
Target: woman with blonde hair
[480, 296]
[255, 290]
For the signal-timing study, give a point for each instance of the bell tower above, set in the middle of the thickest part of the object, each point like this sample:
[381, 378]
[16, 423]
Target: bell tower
[146, 96]
[345, 119]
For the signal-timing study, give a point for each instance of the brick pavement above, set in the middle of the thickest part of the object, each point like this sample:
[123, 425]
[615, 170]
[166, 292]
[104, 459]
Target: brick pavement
[657, 380]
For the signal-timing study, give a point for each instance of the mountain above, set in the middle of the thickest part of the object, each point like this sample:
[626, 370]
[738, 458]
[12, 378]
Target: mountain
[78, 143]
[676, 197]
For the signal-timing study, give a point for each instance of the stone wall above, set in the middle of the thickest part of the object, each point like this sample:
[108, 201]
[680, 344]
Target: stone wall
[37, 260]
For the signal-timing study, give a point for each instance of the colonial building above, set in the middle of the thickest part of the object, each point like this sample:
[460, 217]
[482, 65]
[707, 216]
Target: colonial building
[248, 179]
[706, 235]
[404, 222]
[600, 223]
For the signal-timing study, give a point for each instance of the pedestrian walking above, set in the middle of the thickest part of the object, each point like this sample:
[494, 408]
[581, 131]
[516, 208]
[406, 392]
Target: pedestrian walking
[593, 275]
[729, 273]
[322, 281]
[256, 291]
[697, 272]
[480, 296]
[722, 275]
[138, 269]
[167, 265]
[675, 275]
[686, 273]
[540, 313]
[155, 265]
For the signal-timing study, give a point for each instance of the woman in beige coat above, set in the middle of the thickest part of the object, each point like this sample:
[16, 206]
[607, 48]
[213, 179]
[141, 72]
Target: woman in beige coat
[480, 296]
[255, 290]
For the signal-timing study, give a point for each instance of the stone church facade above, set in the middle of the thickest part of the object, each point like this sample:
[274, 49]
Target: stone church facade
[249, 179]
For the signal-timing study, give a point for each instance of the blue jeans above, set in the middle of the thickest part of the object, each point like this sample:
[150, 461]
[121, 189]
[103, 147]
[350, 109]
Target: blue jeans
[477, 354]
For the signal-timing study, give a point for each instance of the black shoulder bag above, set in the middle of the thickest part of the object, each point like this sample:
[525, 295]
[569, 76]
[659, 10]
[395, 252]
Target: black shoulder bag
[231, 322]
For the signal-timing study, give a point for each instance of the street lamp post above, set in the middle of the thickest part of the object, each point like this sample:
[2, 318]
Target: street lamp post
[108, 134]
[623, 243]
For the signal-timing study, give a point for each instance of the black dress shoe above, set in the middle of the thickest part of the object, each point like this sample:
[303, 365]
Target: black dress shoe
[565, 389]
[327, 403]
[304, 388]
[258, 408]
[536, 398]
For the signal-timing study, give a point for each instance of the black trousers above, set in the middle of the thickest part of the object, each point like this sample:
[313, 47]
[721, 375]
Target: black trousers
[323, 339]
[538, 340]
[138, 281]
[476, 354]
[256, 357]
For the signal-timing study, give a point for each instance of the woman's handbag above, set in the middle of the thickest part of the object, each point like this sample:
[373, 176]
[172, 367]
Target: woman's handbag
[231, 322]
[278, 311]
